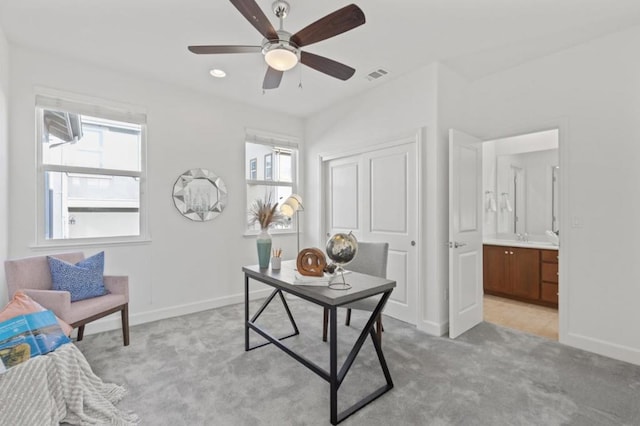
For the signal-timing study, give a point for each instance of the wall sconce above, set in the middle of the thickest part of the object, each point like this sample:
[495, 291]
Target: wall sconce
[491, 201]
[506, 204]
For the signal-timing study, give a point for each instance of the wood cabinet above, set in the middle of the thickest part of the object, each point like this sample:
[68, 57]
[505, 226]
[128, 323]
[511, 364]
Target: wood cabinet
[549, 284]
[527, 274]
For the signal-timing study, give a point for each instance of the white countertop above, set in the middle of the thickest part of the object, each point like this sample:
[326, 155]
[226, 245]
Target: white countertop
[525, 244]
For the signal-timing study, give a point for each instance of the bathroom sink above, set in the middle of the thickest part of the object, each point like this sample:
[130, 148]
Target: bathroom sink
[540, 243]
[518, 243]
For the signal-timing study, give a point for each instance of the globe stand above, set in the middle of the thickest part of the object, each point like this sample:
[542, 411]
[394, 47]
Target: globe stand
[340, 286]
[341, 248]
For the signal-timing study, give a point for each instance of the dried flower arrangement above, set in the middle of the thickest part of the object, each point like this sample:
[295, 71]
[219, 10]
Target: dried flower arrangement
[265, 212]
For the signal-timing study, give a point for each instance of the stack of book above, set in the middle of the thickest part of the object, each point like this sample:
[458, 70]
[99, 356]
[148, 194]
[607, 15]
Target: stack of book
[323, 281]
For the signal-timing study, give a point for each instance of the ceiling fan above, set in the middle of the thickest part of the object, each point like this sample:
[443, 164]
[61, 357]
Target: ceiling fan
[281, 49]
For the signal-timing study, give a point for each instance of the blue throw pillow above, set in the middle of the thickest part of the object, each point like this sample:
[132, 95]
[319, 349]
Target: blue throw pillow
[83, 280]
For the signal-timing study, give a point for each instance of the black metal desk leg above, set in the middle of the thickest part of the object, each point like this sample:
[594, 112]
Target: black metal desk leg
[333, 363]
[246, 312]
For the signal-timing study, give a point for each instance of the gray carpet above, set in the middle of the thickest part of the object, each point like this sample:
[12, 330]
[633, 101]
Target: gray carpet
[193, 370]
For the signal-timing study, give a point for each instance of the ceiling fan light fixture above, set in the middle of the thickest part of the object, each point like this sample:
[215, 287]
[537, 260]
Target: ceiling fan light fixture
[281, 57]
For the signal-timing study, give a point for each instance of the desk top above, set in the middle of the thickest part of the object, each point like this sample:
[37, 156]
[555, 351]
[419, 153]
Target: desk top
[362, 285]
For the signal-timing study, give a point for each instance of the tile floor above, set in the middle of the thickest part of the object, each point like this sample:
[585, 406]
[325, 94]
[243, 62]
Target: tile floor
[534, 319]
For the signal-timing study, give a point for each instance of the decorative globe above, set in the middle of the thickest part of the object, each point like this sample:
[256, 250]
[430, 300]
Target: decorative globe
[342, 248]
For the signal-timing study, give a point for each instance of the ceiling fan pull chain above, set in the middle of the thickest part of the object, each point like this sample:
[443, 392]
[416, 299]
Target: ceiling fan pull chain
[300, 82]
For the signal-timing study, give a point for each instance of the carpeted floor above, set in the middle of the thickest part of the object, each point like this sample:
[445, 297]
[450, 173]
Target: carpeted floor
[193, 370]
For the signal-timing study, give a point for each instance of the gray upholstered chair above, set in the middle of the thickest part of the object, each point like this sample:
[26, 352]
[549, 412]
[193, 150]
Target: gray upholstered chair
[33, 276]
[371, 259]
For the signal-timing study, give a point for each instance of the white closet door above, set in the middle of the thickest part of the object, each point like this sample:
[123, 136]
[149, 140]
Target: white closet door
[373, 194]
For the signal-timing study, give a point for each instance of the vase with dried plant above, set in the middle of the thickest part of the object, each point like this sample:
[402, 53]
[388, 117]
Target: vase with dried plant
[265, 212]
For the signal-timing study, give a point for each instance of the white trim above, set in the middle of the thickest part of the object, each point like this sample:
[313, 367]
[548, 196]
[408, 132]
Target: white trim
[113, 322]
[90, 242]
[89, 170]
[268, 182]
[268, 138]
[433, 328]
[385, 143]
[89, 105]
[50, 98]
[603, 347]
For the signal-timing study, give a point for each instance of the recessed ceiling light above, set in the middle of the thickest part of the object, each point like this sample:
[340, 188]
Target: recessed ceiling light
[217, 73]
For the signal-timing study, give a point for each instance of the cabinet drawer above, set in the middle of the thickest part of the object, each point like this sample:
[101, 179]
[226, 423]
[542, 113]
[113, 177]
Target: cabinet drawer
[549, 255]
[549, 292]
[550, 272]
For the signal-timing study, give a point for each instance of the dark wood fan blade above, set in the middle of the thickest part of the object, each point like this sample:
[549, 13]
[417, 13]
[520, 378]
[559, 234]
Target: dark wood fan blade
[206, 50]
[252, 12]
[335, 23]
[272, 79]
[327, 66]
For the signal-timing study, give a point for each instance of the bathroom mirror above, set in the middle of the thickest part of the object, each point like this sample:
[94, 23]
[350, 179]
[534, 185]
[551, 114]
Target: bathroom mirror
[527, 193]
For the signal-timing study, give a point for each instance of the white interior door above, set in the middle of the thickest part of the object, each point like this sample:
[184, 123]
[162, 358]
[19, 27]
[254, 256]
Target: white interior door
[373, 194]
[465, 232]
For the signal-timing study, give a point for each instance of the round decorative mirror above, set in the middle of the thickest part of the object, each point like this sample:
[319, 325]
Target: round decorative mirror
[200, 195]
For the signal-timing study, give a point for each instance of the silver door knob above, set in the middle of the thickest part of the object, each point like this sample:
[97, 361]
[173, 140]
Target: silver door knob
[456, 244]
[413, 243]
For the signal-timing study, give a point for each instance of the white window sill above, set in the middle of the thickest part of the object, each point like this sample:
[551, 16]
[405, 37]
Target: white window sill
[92, 243]
[250, 234]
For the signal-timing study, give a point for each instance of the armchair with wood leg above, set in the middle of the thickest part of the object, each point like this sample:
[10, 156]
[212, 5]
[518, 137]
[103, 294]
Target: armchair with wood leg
[371, 259]
[32, 276]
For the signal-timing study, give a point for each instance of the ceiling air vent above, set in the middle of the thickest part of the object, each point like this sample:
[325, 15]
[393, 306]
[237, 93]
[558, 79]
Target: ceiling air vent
[376, 74]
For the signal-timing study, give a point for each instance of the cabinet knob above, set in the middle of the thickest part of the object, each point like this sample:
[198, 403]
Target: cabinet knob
[506, 252]
[510, 252]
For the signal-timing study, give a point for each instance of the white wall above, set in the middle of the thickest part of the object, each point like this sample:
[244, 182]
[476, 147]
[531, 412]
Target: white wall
[396, 108]
[4, 162]
[188, 265]
[592, 92]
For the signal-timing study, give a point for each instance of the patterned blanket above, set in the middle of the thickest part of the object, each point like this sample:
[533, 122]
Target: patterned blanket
[59, 387]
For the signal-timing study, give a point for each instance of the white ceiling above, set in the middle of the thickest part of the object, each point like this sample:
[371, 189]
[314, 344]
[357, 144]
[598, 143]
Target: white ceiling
[149, 38]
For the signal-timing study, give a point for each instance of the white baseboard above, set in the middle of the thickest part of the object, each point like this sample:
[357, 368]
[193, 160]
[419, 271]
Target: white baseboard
[433, 328]
[602, 347]
[113, 322]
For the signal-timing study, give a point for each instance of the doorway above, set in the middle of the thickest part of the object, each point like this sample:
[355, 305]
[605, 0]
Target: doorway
[520, 232]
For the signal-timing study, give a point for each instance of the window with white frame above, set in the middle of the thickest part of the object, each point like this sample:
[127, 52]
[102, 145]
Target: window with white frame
[91, 171]
[276, 179]
[268, 159]
[253, 169]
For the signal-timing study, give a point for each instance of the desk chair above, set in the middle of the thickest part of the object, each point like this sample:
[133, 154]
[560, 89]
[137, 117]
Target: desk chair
[371, 259]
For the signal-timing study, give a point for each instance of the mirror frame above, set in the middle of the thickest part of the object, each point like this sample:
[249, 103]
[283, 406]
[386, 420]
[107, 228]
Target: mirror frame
[199, 195]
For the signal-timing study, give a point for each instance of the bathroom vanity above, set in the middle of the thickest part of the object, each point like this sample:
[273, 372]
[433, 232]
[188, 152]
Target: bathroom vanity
[521, 270]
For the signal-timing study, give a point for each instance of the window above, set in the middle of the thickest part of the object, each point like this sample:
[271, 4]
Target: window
[91, 171]
[268, 175]
[276, 179]
[253, 169]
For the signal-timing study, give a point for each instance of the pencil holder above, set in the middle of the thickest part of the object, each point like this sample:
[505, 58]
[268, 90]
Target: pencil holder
[275, 262]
